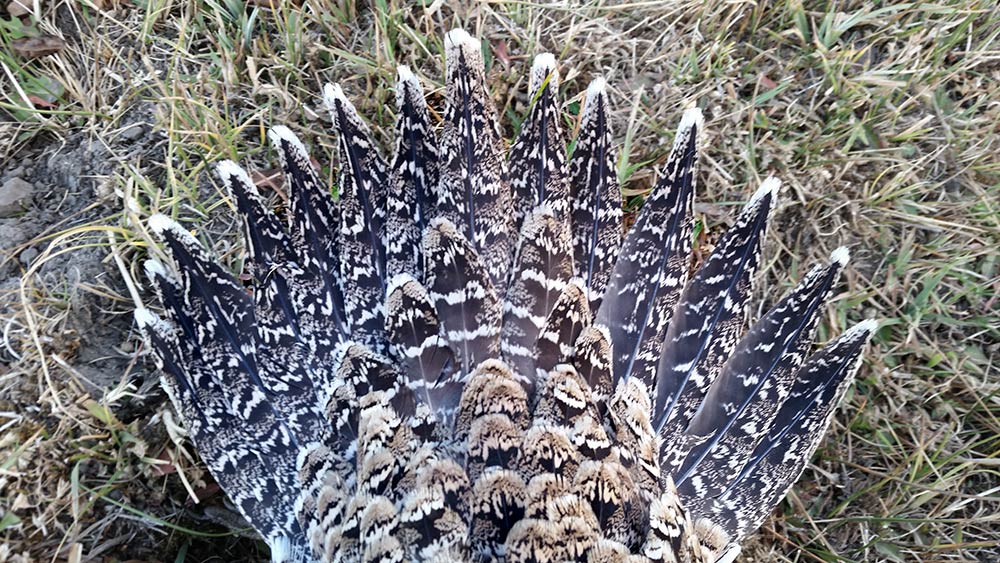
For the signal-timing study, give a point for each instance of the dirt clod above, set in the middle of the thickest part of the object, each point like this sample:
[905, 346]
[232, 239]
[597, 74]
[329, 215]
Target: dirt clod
[15, 196]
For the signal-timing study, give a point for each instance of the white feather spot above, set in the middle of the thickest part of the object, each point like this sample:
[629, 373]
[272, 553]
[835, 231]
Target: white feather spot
[460, 38]
[841, 256]
[280, 133]
[692, 118]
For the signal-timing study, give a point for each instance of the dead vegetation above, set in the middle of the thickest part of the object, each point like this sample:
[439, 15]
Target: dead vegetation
[880, 118]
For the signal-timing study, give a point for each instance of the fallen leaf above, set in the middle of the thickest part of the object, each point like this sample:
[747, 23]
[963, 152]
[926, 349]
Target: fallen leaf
[37, 47]
[40, 103]
[767, 82]
[500, 50]
[164, 468]
[271, 179]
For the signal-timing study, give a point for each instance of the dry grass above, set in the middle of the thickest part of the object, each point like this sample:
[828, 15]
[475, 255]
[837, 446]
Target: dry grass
[882, 121]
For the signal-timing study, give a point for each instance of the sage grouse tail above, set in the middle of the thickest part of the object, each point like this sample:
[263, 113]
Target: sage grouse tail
[462, 357]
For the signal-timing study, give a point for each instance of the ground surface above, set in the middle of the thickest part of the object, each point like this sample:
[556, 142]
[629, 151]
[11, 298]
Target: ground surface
[881, 120]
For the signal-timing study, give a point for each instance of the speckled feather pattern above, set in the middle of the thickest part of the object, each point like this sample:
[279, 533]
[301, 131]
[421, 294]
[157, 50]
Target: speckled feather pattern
[362, 189]
[653, 263]
[595, 197]
[450, 363]
[542, 267]
[413, 177]
[538, 172]
[474, 191]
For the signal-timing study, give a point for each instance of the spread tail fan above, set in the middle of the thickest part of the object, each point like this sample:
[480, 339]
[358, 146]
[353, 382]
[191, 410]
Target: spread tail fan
[450, 362]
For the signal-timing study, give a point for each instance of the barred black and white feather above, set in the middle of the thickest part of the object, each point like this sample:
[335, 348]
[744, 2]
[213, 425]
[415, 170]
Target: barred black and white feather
[448, 363]
[595, 197]
[538, 156]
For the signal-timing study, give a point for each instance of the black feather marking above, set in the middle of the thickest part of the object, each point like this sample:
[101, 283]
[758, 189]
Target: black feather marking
[414, 175]
[754, 382]
[796, 431]
[568, 318]
[219, 390]
[498, 501]
[362, 222]
[287, 359]
[652, 266]
[474, 192]
[221, 311]
[197, 402]
[542, 267]
[592, 359]
[595, 196]
[463, 294]
[314, 227]
[671, 535]
[710, 318]
[359, 372]
[538, 171]
[417, 339]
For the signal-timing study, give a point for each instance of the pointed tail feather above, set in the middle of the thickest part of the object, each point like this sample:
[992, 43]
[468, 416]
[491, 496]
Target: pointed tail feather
[216, 382]
[314, 227]
[652, 267]
[224, 310]
[797, 430]
[362, 222]
[264, 237]
[711, 315]
[542, 267]
[417, 338]
[754, 382]
[538, 171]
[289, 358]
[410, 201]
[474, 192]
[567, 319]
[596, 200]
[463, 294]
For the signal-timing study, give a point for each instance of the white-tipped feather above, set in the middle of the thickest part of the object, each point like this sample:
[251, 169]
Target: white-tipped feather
[228, 169]
[544, 62]
[841, 255]
[280, 133]
[597, 87]
[868, 326]
[160, 223]
[461, 39]
[544, 67]
[692, 118]
[768, 186]
[154, 269]
[144, 317]
[333, 94]
[404, 74]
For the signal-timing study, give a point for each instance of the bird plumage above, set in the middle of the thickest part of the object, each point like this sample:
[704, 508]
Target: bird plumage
[451, 361]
